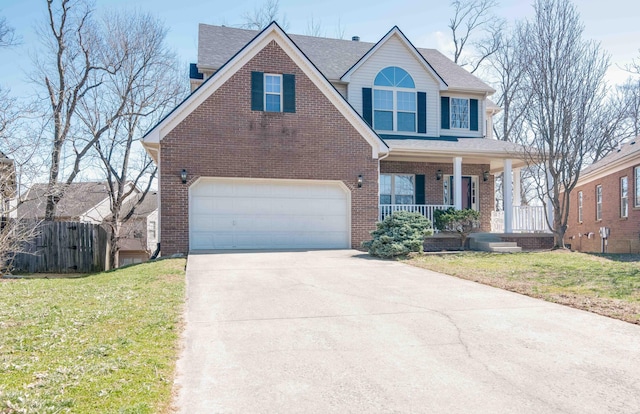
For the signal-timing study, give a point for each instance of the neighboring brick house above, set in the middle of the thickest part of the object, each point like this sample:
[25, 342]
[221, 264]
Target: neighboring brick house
[90, 202]
[607, 195]
[300, 141]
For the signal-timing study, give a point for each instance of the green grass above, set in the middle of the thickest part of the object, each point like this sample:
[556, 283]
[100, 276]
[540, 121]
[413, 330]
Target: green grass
[106, 343]
[605, 284]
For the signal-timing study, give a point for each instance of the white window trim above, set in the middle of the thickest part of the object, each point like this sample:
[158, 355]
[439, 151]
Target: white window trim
[451, 127]
[393, 187]
[598, 202]
[636, 184]
[474, 190]
[579, 206]
[395, 90]
[624, 198]
[265, 93]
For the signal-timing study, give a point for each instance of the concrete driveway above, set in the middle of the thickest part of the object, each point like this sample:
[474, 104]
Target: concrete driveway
[338, 332]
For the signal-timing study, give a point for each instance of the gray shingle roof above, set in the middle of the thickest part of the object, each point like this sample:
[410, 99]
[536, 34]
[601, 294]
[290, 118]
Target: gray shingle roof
[333, 57]
[630, 149]
[77, 199]
[148, 205]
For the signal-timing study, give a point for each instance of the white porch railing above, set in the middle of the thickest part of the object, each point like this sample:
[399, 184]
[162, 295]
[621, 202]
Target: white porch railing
[526, 219]
[424, 209]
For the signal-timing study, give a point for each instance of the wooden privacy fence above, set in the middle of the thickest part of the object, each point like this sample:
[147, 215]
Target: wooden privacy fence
[64, 247]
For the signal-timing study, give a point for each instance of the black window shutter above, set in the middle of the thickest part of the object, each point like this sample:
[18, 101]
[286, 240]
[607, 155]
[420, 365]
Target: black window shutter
[444, 110]
[422, 112]
[420, 199]
[257, 91]
[367, 105]
[289, 88]
[473, 114]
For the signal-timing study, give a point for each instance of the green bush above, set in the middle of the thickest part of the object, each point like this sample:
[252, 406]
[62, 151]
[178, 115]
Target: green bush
[461, 222]
[399, 234]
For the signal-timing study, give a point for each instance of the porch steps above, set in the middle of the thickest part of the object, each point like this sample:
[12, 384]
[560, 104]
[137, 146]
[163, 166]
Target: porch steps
[488, 242]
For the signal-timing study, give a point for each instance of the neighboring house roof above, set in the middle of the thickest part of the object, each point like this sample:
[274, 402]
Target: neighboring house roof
[333, 57]
[78, 198]
[237, 60]
[623, 157]
[148, 205]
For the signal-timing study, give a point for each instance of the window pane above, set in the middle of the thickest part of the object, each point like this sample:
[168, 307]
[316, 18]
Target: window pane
[385, 77]
[406, 121]
[407, 101]
[623, 186]
[272, 84]
[383, 120]
[404, 186]
[459, 113]
[385, 199]
[272, 103]
[385, 184]
[383, 100]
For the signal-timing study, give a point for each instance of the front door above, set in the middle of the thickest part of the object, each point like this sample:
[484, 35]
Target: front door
[466, 193]
[469, 185]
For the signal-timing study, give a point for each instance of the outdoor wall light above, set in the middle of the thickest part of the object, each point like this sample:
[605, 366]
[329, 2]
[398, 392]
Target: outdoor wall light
[485, 176]
[439, 175]
[183, 176]
[360, 181]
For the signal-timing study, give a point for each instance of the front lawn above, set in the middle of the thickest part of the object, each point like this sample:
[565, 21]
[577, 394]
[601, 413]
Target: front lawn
[105, 343]
[604, 284]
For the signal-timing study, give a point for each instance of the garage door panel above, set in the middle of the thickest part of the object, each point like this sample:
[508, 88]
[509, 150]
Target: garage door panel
[252, 214]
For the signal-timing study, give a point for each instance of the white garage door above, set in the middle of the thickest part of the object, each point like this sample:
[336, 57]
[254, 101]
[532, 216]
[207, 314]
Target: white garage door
[268, 214]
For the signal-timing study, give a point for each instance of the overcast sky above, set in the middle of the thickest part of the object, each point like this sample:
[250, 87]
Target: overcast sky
[614, 23]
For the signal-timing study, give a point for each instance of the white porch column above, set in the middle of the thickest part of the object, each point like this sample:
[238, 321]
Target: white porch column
[507, 188]
[457, 183]
[516, 187]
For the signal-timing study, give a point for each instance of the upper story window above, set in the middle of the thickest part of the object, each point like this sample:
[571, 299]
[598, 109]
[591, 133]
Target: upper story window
[394, 101]
[459, 113]
[624, 197]
[598, 202]
[272, 92]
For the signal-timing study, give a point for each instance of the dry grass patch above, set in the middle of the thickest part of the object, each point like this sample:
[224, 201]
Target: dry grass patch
[105, 343]
[605, 284]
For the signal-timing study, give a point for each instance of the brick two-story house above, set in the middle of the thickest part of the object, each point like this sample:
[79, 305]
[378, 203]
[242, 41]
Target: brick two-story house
[607, 195]
[305, 142]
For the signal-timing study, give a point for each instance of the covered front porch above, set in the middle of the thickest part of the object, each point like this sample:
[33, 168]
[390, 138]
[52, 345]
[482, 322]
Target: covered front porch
[428, 175]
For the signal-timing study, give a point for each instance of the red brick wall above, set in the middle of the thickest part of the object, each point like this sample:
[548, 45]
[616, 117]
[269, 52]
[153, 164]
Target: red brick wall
[625, 232]
[434, 191]
[223, 137]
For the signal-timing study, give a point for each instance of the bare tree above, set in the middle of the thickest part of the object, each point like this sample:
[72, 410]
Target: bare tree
[7, 34]
[261, 16]
[314, 28]
[147, 84]
[474, 25]
[567, 121]
[65, 70]
[627, 101]
[340, 30]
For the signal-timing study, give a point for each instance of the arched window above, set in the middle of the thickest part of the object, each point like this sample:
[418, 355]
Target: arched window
[394, 101]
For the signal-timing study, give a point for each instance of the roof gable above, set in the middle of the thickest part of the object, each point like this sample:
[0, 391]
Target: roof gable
[395, 32]
[272, 33]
